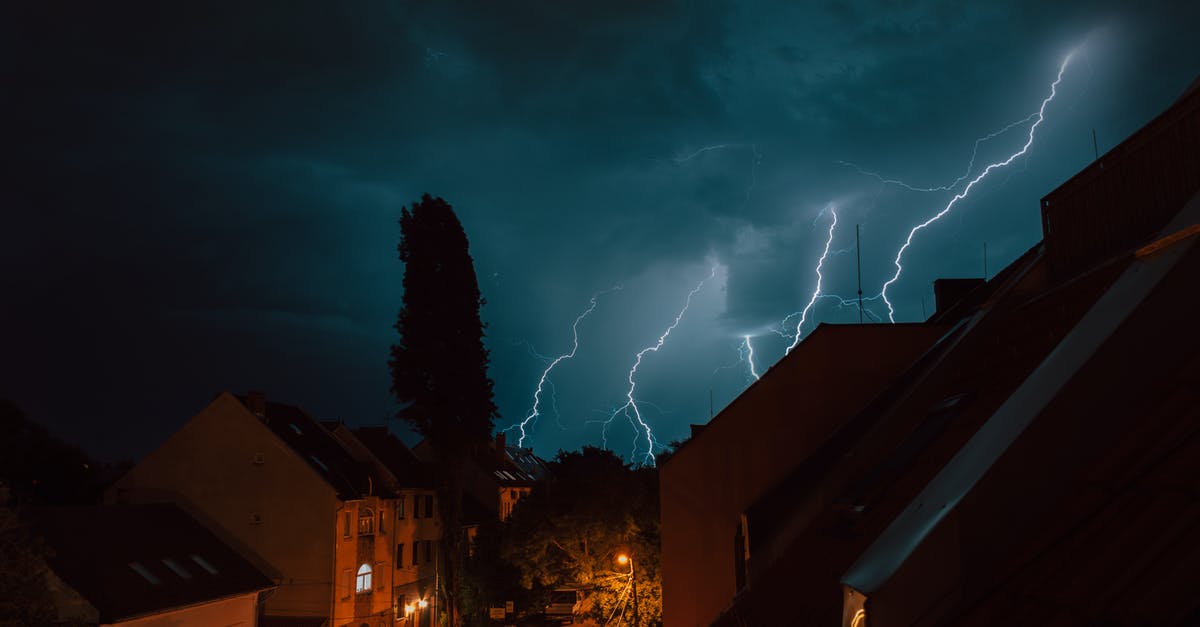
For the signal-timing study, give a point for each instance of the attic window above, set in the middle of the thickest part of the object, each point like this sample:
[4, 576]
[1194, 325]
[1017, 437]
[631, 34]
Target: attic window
[295, 428]
[319, 463]
[203, 563]
[145, 573]
[176, 568]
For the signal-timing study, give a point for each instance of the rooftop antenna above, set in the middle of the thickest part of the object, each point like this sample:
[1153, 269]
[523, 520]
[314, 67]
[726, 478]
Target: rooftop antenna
[858, 253]
[1095, 147]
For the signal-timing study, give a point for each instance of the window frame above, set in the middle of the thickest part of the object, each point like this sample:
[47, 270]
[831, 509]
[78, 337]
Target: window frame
[363, 583]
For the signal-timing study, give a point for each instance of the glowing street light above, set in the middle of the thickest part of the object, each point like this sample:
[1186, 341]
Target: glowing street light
[625, 556]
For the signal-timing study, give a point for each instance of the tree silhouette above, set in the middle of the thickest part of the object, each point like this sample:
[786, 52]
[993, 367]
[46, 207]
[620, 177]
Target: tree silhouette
[439, 366]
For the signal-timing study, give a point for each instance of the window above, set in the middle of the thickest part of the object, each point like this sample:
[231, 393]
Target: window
[416, 553]
[429, 506]
[400, 507]
[381, 529]
[400, 555]
[203, 563]
[176, 568]
[366, 522]
[346, 525]
[145, 573]
[362, 583]
[416, 506]
[428, 551]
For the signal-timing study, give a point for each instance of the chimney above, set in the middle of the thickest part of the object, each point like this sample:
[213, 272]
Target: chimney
[948, 292]
[256, 402]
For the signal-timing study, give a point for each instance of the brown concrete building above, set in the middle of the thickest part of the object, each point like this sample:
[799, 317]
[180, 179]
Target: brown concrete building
[1036, 464]
[348, 539]
[709, 482]
[145, 566]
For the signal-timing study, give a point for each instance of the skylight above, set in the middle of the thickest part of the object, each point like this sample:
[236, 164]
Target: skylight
[203, 563]
[319, 463]
[295, 428]
[176, 568]
[145, 573]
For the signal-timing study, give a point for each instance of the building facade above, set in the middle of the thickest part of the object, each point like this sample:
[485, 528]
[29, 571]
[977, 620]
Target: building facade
[347, 541]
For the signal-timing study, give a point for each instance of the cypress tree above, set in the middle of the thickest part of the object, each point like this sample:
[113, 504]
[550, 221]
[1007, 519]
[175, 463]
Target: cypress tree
[439, 366]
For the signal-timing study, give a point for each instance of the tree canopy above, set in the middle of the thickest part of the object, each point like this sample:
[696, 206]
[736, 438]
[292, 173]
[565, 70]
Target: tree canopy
[569, 531]
[439, 366]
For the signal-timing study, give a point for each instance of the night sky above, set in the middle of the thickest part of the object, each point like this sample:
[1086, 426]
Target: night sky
[204, 196]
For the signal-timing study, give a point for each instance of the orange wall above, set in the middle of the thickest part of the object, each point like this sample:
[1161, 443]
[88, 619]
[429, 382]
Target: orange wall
[754, 442]
[208, 468]
[378, 549]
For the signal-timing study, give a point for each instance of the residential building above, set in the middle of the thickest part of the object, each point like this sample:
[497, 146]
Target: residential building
[306, 503]
[144, 566]
[708, 483]
[1034, 465]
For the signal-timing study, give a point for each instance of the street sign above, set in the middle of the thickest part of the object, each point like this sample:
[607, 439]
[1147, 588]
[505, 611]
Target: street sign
[508, 607]
[496, 612]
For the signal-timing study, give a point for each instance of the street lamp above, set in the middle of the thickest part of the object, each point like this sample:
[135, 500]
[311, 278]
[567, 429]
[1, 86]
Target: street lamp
[626, 557]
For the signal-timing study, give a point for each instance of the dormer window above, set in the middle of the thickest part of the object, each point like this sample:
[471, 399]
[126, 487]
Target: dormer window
[366, 522]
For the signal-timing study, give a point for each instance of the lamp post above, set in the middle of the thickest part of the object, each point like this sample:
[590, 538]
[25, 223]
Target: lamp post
[624, 558]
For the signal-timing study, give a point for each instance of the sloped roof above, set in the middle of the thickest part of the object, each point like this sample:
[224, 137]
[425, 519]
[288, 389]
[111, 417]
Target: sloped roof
[1028, 401]
[409, 471]
[134, 560]
[829, 510]
[309, 439]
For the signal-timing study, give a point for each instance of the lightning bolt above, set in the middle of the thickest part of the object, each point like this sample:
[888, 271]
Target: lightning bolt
[750, 357]
[630, 409]
[944, 188]
[535, 411]
[1040, 115]
[755, 160]
[816, 291]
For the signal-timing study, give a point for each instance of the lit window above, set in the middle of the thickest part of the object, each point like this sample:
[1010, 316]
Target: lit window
[366, 522]
[362, 584]
[145, 573]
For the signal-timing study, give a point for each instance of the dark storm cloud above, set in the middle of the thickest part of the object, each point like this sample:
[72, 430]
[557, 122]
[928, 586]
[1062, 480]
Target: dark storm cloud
[205, 195]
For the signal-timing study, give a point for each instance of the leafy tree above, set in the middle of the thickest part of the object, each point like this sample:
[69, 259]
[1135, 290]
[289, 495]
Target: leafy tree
[439, 366]
[25, 598]
[569, 531]
[489, 581]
